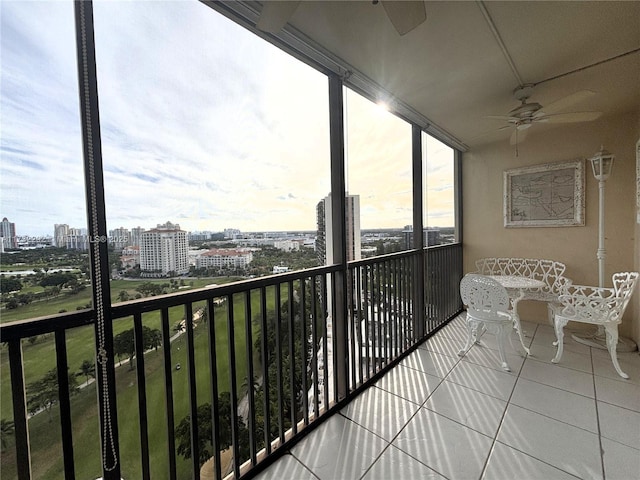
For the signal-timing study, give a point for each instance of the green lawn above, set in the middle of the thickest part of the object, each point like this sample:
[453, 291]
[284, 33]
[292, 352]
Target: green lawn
[44, 434]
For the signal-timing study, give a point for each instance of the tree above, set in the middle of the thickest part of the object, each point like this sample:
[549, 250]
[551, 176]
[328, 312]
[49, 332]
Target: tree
[58, 279]
[123, 296]
[124, 342]
[88, 369]
[205, 434]
[43, 394]
[12, 303]
[9, 284]
[149, 288]
[7, 429]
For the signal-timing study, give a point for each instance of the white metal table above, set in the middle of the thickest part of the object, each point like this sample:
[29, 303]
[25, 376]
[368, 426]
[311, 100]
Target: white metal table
[516, 287]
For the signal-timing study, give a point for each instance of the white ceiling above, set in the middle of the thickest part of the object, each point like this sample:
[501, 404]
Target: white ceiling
[452, 70]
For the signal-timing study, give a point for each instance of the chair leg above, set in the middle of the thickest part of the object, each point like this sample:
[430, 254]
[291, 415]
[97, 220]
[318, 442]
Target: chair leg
[612, 345]
[559, 325]
[503, 332]
[472, 332]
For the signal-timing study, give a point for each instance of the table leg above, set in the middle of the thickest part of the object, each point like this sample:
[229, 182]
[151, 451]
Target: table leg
[516, 319]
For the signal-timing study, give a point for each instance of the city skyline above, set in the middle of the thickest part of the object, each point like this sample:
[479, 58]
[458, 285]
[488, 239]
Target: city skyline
[182, 138]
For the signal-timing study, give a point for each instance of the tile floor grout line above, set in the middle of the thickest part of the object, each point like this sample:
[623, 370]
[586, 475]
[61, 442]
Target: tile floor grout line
[595, 399]
[301, 463]
[494, 439]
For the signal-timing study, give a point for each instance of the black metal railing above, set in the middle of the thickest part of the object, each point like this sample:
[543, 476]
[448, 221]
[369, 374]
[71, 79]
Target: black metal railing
[261, 364]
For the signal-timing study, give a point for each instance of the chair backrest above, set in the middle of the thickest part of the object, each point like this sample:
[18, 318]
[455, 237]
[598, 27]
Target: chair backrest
[484, 297]
[548, 271]
[623, 285]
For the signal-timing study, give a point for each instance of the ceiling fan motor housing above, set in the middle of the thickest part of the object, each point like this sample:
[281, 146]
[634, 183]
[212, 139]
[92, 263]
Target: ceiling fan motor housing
[526, 110]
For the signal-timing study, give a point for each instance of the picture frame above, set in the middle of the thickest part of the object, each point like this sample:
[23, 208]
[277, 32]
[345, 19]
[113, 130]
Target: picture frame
[547, 195]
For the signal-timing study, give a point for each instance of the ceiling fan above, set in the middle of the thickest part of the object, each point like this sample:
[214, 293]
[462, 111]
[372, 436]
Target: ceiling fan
[404, 15]
[526, 114]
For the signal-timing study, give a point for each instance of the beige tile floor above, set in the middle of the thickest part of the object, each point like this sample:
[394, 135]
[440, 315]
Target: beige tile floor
[437, 416]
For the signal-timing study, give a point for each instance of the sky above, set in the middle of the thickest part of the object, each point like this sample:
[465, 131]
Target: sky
[202, 123]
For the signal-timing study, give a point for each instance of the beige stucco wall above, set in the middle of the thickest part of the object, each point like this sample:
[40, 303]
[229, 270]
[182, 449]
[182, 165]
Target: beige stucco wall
[486, 236]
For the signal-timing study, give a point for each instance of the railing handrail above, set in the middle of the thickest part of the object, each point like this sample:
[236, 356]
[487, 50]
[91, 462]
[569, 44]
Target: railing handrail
[66, 320]
[46, 324]
[61, 321]
[382, 258]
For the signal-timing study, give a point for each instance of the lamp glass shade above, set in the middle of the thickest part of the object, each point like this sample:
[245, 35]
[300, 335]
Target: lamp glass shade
[602, 164]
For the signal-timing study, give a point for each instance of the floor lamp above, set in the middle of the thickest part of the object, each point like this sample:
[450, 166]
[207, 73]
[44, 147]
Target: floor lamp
[602, 165]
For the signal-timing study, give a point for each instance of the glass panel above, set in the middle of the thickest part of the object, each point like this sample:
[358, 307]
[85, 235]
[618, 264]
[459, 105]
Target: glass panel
[41, 173]
[378, 165]
[41, 193]
[439, 185]
[213, 141]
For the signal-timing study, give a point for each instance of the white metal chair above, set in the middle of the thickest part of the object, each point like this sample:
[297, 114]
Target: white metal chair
[487, 308]
[597, 306]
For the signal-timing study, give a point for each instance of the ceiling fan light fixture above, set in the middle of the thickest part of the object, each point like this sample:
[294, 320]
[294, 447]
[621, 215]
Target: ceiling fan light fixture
[527, 113]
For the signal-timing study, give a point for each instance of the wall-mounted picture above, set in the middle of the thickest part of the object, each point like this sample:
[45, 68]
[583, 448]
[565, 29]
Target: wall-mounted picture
[549, 195]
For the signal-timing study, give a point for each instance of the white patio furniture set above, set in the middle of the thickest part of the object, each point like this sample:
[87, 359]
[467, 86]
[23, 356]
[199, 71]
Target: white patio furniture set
[492, 293]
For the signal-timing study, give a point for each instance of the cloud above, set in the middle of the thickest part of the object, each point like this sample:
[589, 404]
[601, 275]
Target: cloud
[201, 121]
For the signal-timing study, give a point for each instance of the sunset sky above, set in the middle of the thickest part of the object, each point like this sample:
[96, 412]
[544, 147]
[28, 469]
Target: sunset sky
[203, 124]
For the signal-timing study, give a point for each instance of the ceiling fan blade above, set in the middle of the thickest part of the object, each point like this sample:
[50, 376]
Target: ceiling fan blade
[490, 132]
[405, 15]
[565, 102]
[506, 118]
[275, 14]
[569, 117]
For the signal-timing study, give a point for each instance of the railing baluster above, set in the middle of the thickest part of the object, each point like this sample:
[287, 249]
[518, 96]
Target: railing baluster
[213, 367]
[303, 350]
[168, 391]
[325, 342]
[366, 340]
[193, 398]
[278, 306]
[385, 309]
[292, 358]
[351, 323]
[314, 346]
[265, 368]
[66, 431]
[358, 321]
[142, 393]
[395, 290]
[235, 437]
[23, 456]
[250, 376]
[334, 342]
[375, 320]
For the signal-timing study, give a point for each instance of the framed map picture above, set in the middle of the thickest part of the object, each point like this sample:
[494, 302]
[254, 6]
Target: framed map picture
[549, 195]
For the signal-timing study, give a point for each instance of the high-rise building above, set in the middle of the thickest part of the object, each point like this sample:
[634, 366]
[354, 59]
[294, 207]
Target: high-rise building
[60, 234]
[430, 237]
[119, 238]
[77, 239]
[231, 233]
[164, 250]
[8, 234]
[324, 242]
[136, 234]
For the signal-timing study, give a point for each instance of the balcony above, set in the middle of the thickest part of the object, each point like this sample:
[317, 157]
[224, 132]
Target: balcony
[285, 363]
[399, 402]
[271, 357]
